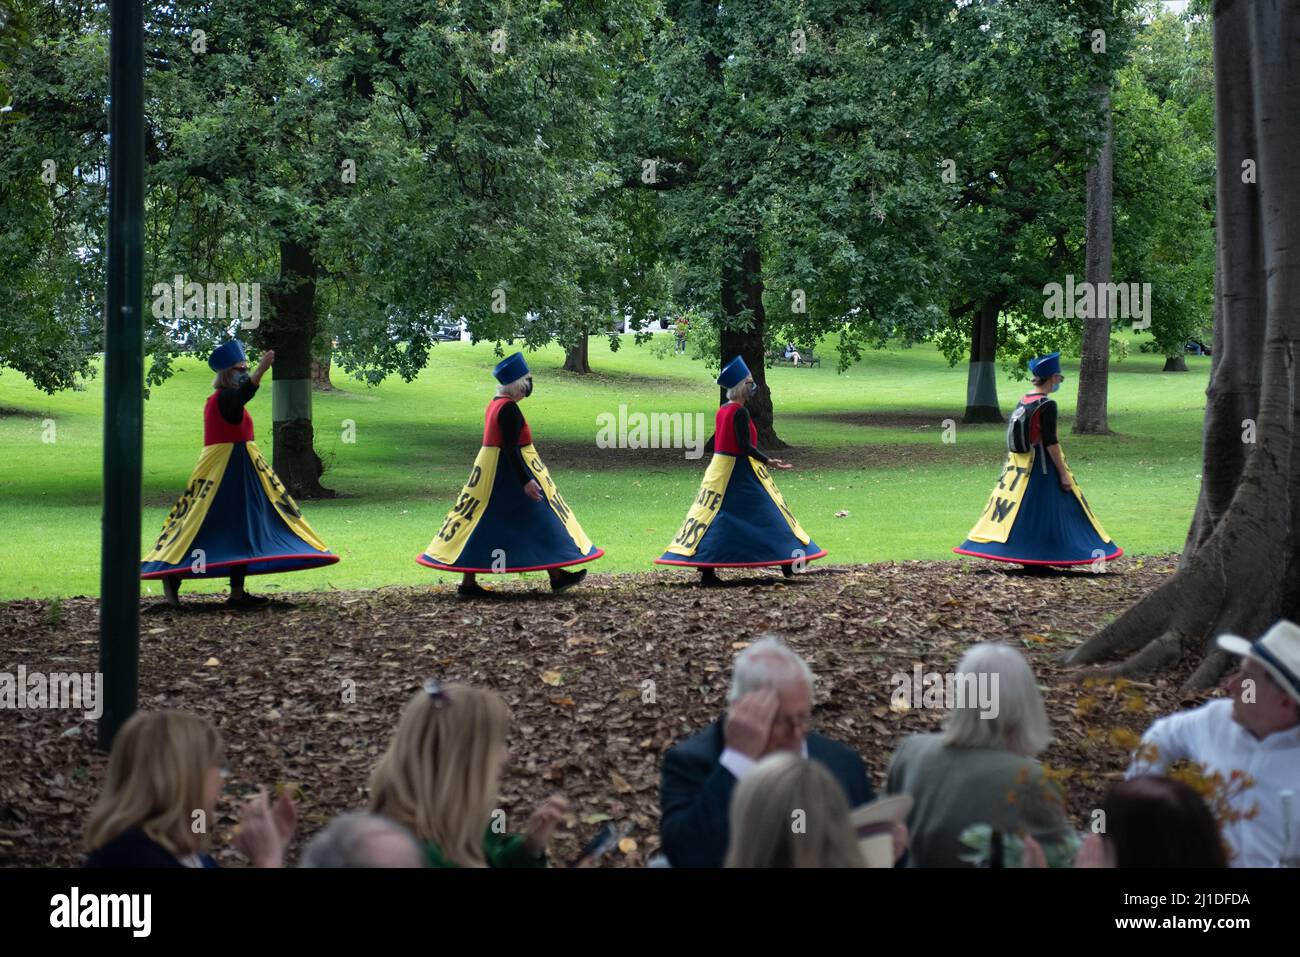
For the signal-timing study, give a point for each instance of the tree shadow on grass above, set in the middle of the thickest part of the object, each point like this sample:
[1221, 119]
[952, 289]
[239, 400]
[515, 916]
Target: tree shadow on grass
[11, 412]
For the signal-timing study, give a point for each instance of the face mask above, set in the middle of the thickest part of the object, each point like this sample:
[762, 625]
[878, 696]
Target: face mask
[242, 378]
[753, 388]
[1056, 386]
[528, 388]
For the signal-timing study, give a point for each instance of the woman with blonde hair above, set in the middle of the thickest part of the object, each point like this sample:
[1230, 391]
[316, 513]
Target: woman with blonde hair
[791, 812]
[983, 767]
[160, 799]
[440, 778]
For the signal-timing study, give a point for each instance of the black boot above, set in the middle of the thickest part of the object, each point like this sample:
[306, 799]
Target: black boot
[172, 590]
[709, 578]
[564, 580]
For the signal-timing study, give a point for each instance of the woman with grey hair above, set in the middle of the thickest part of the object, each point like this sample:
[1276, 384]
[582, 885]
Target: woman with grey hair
[983, 767]
[739, 518]
[509, 516]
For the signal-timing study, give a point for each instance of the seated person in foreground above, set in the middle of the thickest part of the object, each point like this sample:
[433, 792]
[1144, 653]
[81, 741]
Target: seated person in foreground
[441, 777]
[789, 812]
[159, 802]
[982, 768]
[1150, 821]
[770, 710]
[1255, 730]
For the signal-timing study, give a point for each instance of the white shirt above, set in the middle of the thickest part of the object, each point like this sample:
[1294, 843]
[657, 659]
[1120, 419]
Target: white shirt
[741, 764]
[1209, 736]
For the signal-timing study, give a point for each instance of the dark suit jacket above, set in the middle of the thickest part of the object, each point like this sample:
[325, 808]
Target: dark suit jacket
[695, 796]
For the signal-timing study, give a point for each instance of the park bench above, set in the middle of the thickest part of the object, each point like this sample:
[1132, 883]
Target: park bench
[806, 357]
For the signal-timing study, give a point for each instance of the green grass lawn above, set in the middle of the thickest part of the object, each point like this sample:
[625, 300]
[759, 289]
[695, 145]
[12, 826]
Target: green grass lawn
[869, 442]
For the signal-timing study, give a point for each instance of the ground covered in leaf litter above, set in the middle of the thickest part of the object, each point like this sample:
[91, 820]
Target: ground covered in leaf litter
[601, 680]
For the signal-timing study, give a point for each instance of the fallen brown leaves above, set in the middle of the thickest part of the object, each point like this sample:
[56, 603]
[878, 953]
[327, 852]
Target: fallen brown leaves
[601, 680]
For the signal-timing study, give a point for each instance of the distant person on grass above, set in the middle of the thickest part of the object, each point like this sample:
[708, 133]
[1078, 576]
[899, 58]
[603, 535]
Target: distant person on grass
[441, 775]
[679, 333]
[159, 803]
[235, 518]
[769, 712]
[1256, 730]
[509, 516]
[792, 353]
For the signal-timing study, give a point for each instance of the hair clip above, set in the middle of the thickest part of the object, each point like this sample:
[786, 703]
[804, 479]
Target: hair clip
[436, 692]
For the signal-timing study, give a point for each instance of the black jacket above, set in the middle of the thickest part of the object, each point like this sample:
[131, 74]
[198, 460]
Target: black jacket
[134, 848]
[695, 794]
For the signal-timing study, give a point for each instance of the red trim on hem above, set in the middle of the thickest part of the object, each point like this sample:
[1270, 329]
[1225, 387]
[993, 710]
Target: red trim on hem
[1026, 561]
[489, 571]
[319, 561]
[790, 561]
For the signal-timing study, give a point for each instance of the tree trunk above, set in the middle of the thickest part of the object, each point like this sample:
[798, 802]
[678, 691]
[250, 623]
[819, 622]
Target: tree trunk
[290, 331]
[1094, 363]
[575, 359]
[320, 374]
[1240, 570]
[742, 288]
[982, 374]
[1175, 364]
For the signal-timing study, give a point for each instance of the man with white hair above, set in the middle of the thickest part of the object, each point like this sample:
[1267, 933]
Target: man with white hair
[363, 840]
[1255, 730]
[770, 710]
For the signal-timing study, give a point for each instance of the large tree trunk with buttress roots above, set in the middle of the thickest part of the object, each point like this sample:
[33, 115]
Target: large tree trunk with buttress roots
[289, 331]
[982, 373]
[1240, 569]
[742, 288]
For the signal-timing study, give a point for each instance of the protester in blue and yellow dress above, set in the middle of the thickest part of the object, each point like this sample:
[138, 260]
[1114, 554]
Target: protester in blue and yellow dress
[1037, 514]
[510, 516]
[739, 519]
[235, 517]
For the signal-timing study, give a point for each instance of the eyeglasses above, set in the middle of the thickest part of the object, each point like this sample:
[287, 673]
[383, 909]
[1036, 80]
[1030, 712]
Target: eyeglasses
[437, 693]
[796, 722]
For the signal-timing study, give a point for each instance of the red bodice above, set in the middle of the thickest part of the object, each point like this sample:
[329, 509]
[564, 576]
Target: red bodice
[492, 428]
[724, 430]
[217, 430]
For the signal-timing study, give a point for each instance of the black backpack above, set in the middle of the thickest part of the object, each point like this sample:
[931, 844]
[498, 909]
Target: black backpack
[1018, 427]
